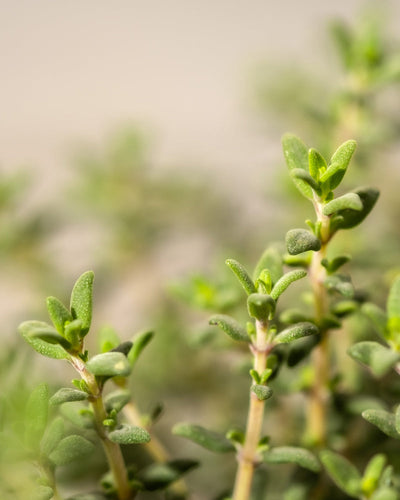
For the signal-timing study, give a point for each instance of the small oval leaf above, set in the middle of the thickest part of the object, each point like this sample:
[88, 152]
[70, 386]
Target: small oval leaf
[293, 455]
[210, 440]
[70, 449]
[58, 313]
[129, 434]
[263, 392]
[242, 275]
[349, 201]
[109, 364]
[301, 240]
[295, 332]
[285, 281]
[65, 395]
[260, 306]
[385, 421]
[342, 472]
[376, 356]
[230, 327]
[81, 300]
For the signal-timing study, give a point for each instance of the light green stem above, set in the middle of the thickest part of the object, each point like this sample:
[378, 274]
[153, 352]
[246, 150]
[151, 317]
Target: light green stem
[316, 431]
[247, 457]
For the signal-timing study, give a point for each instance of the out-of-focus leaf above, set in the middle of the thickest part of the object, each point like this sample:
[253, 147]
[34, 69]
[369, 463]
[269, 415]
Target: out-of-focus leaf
[36, 414]
[294, 455]
[71, 448]
[342, 472]
[385, 421]
[271, 259]
[210, 440]
[376, 356]
[140, 341]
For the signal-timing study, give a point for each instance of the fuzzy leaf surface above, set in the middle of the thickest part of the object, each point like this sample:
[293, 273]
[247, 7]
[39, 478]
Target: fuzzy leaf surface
[349, 201]
[242, 275]
[81, 300]
[294, 455]
[347, 219]
[129, 434]
[301, 240]
[283, 283]
[71, 448]
[29, 331]
[296, 156]
[230, 327]
[295, 332]
[263, 392]
[385, 421]
[66, 394]
[58, 313]
[109, 364]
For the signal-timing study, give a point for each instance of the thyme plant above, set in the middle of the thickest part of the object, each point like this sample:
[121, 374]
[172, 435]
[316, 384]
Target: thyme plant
[277, 340]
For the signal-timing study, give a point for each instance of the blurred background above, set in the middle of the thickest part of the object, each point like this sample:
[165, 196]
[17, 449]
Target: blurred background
[142, 140]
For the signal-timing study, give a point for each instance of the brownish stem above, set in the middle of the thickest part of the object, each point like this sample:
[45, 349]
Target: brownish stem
[112, 450]
[247, 457]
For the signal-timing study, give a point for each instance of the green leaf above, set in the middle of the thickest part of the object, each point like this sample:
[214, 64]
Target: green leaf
[28, 328]
[376, 356]
[292, 455]
[263, 392]
[81, 300]
[342, 472]
[242, 275]
[347, 219]
[393, 302]
[295, 332]
[230, 327]
[333, 265]
[158, 476]
[71, 448]
[341, 284]
[58, 313]
[316, 163]
[52, 436]
[285, 281]
[300, 174]
[378, 318]
[338, 164]
[373, 473]
[301, 240]
[73, 332]
[108, 338]
[349, 201]
[271, 259]
[385, 494]
[52, 337]
[109, 364]
[116, 400]
[42, 493]
[210, 440]
[36, 414]
[344, 308]
[129, 434]
[296, 156]
[65, 395]
[140, 341]
[385, 421]
[260, 306]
